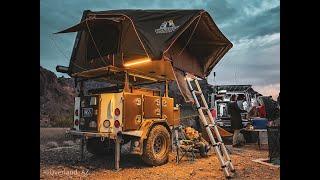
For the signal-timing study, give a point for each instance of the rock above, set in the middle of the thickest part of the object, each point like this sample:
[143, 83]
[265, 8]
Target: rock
[200, 169]
[68, 143]
[52, 144]
[193, 172]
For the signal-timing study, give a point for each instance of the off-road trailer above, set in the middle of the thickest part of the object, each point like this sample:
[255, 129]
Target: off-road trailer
[135, 47]
[126, 113]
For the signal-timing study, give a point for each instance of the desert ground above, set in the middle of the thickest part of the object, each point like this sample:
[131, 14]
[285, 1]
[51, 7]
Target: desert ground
[60, 159]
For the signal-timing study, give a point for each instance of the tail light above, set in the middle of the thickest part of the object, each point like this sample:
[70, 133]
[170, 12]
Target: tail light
[76, 112]
[116, 124]
[117, 111]
[76, 122]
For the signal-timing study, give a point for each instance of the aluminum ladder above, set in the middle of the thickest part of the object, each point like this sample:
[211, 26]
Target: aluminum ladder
[218, 146]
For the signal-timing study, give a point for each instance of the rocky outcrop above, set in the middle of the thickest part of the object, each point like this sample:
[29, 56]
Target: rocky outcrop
[56, 96]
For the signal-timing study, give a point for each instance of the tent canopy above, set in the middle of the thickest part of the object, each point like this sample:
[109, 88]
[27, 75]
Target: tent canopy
[162, 44]
[189, 39]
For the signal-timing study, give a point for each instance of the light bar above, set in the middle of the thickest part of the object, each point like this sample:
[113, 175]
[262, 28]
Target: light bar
[137, 61]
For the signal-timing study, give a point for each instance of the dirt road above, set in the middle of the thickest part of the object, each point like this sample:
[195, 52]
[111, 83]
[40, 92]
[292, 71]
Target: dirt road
[64, 162]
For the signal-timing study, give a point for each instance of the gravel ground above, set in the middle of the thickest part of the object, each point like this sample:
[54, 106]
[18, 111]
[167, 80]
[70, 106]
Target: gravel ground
[64, 162]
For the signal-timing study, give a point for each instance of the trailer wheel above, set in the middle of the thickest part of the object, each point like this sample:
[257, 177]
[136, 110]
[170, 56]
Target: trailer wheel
[156, 147]
[97, 147]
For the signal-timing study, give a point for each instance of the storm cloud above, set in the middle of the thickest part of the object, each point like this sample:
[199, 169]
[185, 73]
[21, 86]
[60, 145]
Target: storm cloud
[253, 26]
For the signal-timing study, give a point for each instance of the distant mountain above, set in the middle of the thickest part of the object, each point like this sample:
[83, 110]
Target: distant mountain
[56, 96]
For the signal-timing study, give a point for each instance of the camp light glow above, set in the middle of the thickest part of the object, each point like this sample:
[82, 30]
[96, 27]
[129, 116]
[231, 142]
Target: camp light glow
[137, 61]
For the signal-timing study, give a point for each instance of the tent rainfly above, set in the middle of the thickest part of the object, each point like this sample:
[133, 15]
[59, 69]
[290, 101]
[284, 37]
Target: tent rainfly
[163, 43]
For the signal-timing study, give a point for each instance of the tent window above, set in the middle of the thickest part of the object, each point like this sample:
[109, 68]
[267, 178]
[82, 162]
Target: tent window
[105, 37]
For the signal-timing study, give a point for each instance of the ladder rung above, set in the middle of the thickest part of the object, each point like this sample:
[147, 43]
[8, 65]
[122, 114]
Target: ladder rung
[210, 125]
[203, 108]
[197, 92]
[217, 144]
[227, 163]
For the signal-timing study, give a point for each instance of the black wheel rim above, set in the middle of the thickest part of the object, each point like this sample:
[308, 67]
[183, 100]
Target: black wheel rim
[159, 145]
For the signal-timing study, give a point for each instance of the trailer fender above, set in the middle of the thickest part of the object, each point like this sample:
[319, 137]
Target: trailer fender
[145, 128]
[148, 124]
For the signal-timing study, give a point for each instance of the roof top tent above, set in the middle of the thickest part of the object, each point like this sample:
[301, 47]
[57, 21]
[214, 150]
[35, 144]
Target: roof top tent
[149, 45]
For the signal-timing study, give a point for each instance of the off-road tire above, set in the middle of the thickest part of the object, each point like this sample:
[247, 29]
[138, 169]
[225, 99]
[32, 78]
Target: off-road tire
[153, 154]
[97, 147]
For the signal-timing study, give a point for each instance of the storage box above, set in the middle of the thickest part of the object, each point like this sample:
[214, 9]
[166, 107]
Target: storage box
[260, 123]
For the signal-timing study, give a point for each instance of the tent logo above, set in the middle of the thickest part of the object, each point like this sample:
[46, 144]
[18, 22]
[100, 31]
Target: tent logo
[166, 27]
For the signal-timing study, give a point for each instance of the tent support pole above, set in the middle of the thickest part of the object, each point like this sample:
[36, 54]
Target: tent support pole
[166, 89]
[126, 83]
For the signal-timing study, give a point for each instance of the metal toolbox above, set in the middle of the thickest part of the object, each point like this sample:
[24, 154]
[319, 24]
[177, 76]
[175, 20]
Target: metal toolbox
[151, 107]
[167, 109]
[132, 111]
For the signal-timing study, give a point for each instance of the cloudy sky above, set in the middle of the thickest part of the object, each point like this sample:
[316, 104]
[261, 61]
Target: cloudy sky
[253, 26]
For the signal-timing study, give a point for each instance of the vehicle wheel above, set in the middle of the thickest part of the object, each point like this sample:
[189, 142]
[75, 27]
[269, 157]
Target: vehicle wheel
[156, 147]
[97, 147]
